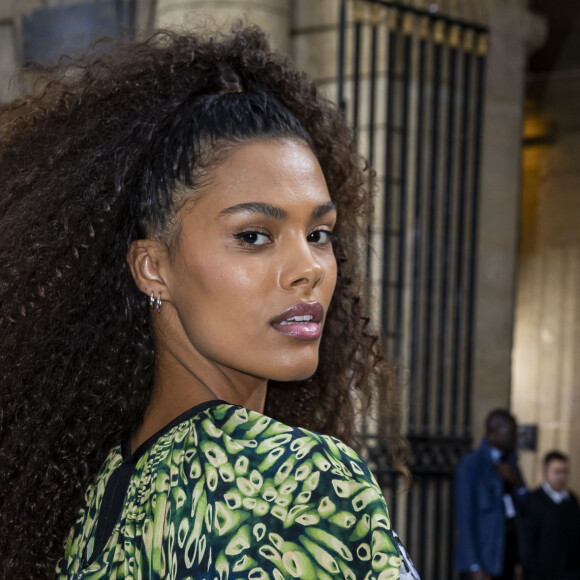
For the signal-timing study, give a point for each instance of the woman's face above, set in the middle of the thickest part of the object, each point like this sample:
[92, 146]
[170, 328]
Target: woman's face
[254, 270]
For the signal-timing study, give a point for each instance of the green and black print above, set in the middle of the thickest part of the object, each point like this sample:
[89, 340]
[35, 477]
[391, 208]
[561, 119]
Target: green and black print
[228, 494]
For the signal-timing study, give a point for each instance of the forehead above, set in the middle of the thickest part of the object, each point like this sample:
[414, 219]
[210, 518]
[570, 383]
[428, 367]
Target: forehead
[557, 464]
[282, 172]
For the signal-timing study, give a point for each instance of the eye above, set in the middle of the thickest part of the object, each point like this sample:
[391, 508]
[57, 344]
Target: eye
[251, 238]
[321, 237]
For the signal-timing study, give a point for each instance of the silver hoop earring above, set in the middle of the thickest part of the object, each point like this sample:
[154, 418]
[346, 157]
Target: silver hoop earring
[151, 300]
[158, 302]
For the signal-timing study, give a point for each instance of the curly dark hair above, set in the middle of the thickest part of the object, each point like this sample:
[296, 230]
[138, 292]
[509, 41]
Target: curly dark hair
[91, 163]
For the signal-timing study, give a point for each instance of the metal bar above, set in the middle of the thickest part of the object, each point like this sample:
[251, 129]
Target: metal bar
[341, 51]
[458, 281]
[410, 537]
[371, 145]
[373, 94]
[394, 499]
[446, 230]
[473, 222]
[431, 229]
[422, 527]
[356, 73]
[451, 527]
[403, 177]
[416, 244]
[437, 524]
[372, 121]
[417, 229]
[387, 188]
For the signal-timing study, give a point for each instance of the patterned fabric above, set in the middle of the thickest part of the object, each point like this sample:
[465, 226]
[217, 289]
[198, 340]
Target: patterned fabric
[407, 570]
[229, 494]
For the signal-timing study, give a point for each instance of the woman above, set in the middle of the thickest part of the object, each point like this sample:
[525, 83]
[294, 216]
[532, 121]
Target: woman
[170, 249]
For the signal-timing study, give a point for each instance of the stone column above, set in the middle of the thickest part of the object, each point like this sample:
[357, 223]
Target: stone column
[271, 15]
[546, 373]
[515, 32]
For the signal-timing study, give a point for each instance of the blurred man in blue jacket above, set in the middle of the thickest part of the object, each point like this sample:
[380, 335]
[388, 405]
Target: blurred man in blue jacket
[489, 494]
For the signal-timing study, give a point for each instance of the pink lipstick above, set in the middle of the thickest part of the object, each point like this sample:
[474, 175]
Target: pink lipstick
[302, 321]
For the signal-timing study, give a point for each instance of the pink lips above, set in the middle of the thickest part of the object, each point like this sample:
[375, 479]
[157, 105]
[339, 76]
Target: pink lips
[301, 321]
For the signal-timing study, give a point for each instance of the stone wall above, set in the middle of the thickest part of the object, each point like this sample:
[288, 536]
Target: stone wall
[272, 15]
[546, 370]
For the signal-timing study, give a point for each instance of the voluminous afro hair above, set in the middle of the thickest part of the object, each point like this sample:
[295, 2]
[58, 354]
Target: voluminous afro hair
[92, 163]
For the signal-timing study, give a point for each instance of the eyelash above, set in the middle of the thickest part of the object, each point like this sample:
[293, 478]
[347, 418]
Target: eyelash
[331, 236]
[241, 237]
[248, 244]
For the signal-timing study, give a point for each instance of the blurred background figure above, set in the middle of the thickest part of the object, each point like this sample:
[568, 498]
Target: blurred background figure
[553, 525]
[489, 488]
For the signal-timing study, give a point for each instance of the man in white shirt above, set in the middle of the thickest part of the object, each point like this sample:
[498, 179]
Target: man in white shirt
[553, 525]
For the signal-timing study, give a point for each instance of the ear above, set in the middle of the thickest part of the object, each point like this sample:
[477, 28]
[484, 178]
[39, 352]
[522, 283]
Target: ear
[147, 260]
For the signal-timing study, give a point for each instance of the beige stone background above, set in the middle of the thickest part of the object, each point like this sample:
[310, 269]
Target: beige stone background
[546, 354]
[528, 312]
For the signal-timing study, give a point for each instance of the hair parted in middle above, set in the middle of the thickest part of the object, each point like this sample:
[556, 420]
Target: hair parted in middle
[108, 153]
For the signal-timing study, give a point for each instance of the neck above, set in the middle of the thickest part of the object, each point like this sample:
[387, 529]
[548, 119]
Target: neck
[181, 384]
[548, 487]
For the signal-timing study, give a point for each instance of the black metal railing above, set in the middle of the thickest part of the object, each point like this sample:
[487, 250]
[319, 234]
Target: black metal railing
[411, 81]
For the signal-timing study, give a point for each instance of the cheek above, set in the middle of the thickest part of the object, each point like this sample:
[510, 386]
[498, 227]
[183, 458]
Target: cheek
[229, 286]
[216, 275]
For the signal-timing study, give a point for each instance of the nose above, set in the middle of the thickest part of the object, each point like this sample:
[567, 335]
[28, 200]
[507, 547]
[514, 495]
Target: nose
[300, 267]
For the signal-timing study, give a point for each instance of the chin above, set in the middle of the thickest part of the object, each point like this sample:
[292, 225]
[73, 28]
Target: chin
[295, 372]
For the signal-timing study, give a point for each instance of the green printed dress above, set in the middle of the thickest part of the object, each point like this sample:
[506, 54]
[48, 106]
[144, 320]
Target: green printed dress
[227, 493]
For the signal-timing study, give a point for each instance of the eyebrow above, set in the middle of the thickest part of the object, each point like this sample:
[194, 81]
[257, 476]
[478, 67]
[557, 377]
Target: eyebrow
[323, 209]
[273, 211]
[266, 209]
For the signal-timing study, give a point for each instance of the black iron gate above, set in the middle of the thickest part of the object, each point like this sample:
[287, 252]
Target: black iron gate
[411, 80]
